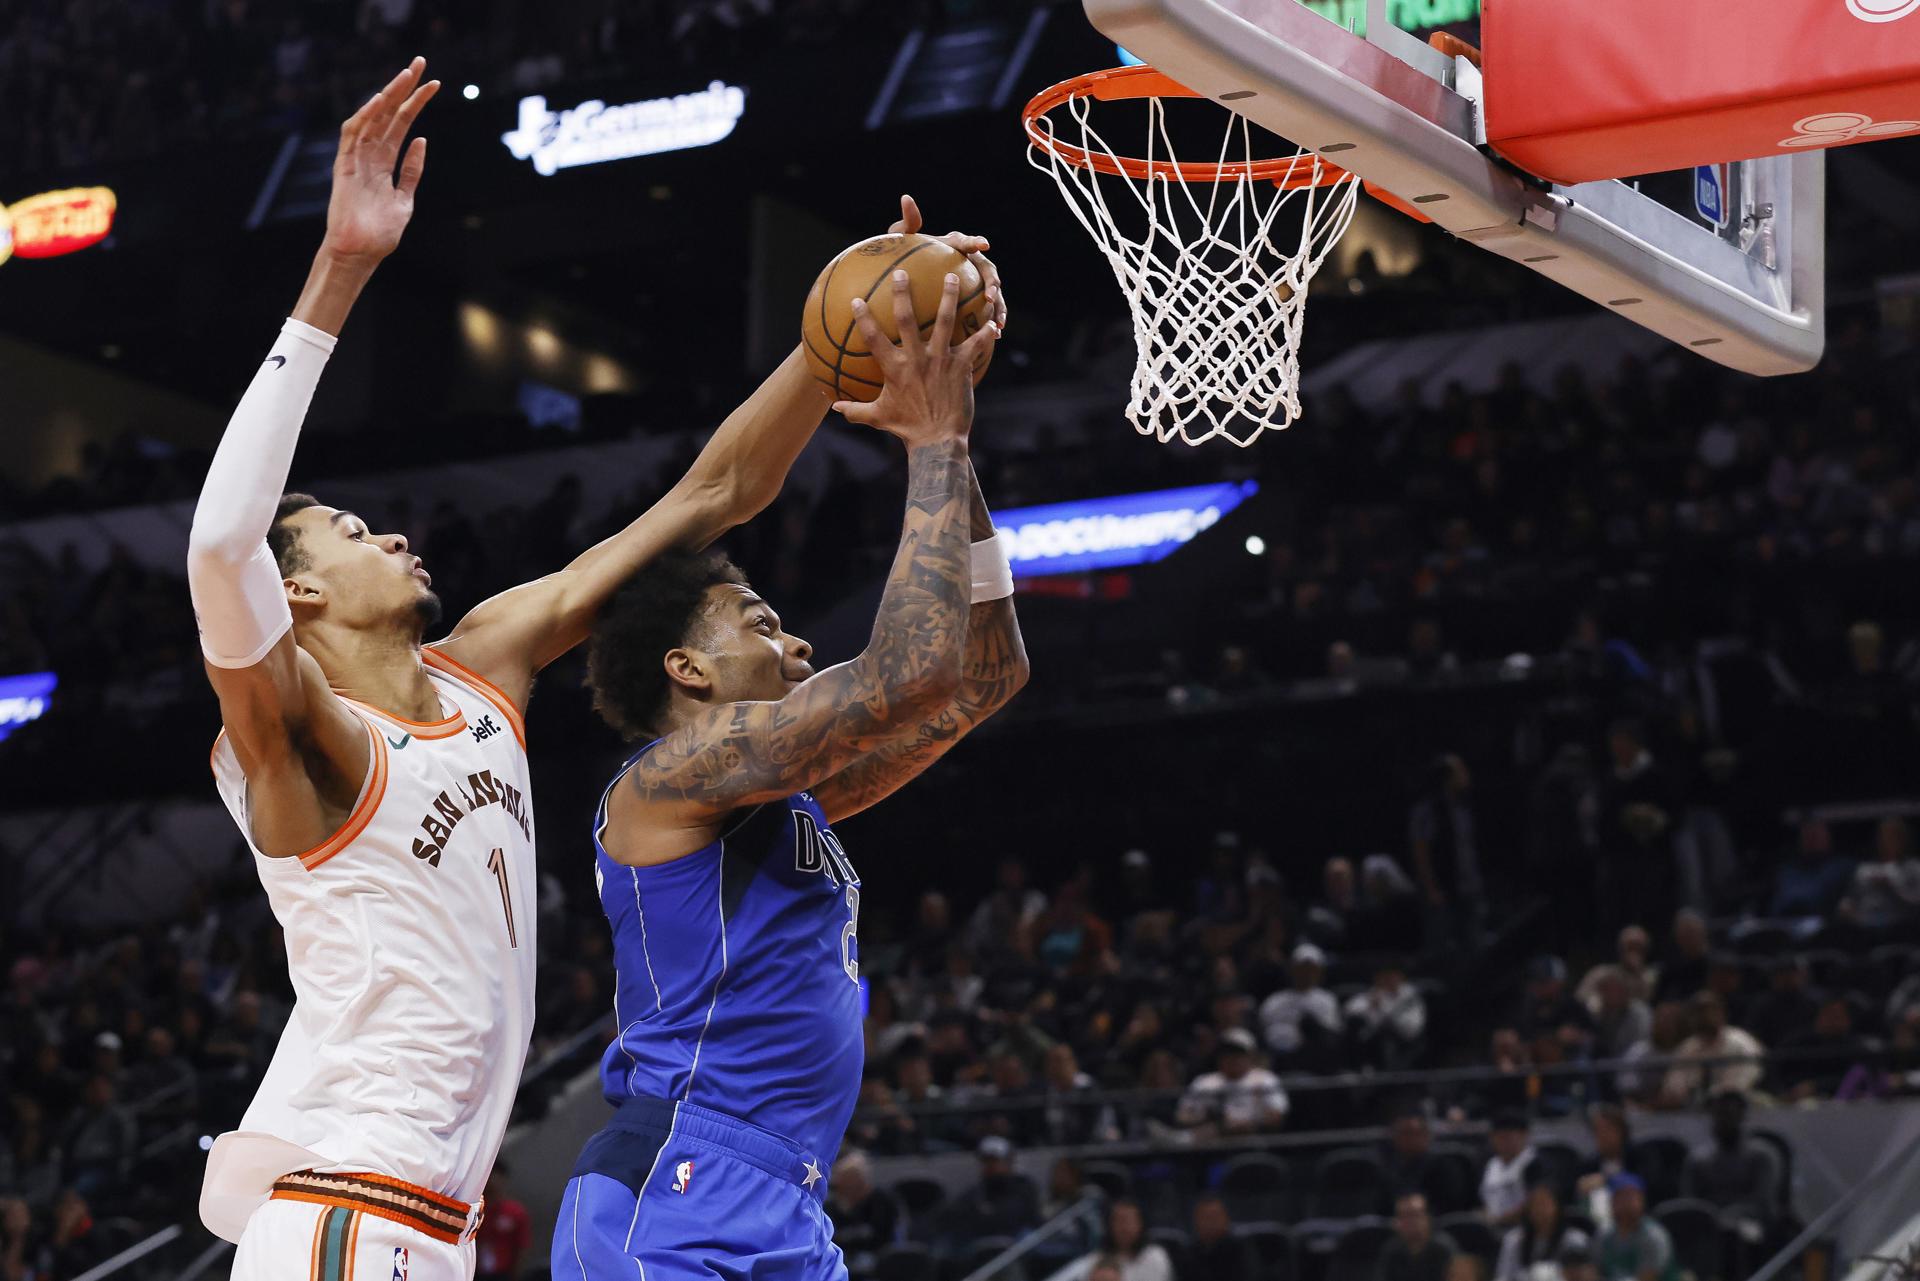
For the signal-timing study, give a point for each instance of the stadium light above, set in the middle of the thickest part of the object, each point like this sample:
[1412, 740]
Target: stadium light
[470, 92]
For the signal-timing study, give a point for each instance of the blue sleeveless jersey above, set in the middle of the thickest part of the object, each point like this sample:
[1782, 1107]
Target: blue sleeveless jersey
[737, 974]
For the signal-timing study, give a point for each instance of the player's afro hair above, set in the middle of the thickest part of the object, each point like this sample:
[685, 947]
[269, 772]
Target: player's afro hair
[656, 611]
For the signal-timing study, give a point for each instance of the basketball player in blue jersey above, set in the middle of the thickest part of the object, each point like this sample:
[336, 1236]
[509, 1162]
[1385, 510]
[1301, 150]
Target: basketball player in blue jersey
[735, 910]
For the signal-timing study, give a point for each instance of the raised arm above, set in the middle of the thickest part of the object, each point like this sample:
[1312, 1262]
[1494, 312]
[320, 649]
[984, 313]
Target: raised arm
[992, 670]
[303, 753]
[510, 637]
[743, 753]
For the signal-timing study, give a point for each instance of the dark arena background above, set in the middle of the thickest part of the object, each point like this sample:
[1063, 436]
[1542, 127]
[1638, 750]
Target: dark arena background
[1506, 779]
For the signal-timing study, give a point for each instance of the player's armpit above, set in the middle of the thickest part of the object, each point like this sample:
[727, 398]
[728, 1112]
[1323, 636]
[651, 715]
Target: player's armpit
[304, 754]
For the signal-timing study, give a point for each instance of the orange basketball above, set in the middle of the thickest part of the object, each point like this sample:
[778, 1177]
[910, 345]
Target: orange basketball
[837, 353]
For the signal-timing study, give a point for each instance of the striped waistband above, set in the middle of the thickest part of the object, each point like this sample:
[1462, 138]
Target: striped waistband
[440, 1217]
[645, 1131]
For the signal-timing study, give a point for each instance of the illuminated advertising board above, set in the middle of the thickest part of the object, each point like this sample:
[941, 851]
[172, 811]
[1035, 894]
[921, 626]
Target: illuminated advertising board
[61, 222]
[24, 698]
[1107, 533]
[595, 132]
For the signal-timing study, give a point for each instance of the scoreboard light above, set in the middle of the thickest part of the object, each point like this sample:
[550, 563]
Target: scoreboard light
[24, 698]
[57, 222]
[1107, 533]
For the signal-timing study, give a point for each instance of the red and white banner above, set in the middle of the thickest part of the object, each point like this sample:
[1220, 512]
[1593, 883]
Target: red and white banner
[1579, 91]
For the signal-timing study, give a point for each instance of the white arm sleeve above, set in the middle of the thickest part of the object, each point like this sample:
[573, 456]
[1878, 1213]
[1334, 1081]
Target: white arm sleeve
[236, 587]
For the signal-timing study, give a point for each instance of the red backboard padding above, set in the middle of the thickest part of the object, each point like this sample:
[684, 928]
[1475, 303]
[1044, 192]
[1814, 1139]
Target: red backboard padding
[1584, 89]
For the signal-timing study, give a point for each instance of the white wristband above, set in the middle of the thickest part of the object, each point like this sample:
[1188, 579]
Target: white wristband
[992, 571]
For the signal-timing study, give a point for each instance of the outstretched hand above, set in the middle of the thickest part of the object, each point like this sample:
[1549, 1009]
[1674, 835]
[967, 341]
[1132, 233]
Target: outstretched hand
[369, 207]
[928, 391]
[974, 247]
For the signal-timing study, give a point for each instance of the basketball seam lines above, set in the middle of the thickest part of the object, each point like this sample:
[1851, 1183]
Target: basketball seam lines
[841, 345]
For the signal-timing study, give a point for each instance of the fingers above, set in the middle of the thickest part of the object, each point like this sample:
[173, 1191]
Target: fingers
[976, 348]
[878, 343]
[412, 167]
[906, 323]
[862, 412]
[942, 336]
[967, 244]
[909, 216]
[409, 110]
[370, 122]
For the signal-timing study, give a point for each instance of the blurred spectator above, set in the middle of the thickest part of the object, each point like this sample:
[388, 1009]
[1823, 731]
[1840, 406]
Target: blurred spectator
[1539, 1240]
[1612, 1144]
[1002, 1203]
[1634, 1248]
[1503, 1184]
[866, 1219]
[1238, 1098]
[506, 1233]
[1416, 1252]
[1637, 813]
[1811, 883]
[1731, 1170]
[1069, 1120]
[1631, 950]
[1388, 1021]
[1684, 971]
[1302, 1023]
[1217, 1254]
[1412, 1166]
[98, 1144]
[1786, 1006]
[1004, 918]
[1620, 1019]
[1126, 1249]
[1548, 1009]
[1713, 1038]
[1885, 894]
[1446, 852]
[1814, 1061]
[1672, 1025]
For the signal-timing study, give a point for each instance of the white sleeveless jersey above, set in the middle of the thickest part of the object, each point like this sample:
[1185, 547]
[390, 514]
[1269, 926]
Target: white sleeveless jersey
[410, 940]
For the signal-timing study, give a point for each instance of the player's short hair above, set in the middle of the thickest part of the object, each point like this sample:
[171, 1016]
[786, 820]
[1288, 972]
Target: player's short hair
[656, 611]
[283, 540]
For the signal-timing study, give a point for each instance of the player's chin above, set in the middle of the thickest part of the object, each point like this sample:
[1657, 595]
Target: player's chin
[426, 608]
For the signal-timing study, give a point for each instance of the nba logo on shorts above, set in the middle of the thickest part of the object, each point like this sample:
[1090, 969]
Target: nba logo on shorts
[682, 1176]
[399, 1263]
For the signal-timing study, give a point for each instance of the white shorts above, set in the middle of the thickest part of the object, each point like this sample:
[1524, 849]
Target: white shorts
[290, 1240]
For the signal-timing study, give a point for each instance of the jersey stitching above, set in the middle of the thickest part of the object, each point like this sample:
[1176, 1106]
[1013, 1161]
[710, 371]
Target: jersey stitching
[720, 909]
[659, 1003]
[579, 1190]
[672, 1127]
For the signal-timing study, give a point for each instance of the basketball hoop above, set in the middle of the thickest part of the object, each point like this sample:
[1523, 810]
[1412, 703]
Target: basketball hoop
[1218, 307]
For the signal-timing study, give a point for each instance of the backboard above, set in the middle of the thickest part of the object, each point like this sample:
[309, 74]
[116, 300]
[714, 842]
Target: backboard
[1729, 263]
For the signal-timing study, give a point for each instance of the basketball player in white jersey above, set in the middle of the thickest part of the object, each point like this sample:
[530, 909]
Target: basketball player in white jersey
[382, 785]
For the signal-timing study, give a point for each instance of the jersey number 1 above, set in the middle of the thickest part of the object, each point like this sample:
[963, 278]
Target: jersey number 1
[497, 864]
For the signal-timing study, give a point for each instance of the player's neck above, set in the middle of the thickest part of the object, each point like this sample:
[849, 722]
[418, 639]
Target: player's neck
[379, 668]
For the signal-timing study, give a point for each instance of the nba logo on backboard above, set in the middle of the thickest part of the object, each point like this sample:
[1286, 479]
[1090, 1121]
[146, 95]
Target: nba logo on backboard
[399, 1263]
[682, 1176]
[1710, 194]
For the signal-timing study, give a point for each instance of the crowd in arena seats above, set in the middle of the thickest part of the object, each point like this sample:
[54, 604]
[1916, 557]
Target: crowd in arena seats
[119, 1052]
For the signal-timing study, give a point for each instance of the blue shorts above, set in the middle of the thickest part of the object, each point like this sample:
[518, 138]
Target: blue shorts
[691, 1195]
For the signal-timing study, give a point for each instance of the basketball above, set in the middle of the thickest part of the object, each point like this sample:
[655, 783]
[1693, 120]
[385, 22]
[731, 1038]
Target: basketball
[835, 350]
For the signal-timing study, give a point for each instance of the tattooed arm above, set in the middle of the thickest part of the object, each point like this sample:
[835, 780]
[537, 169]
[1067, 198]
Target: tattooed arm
[992, 671]
[743, 753]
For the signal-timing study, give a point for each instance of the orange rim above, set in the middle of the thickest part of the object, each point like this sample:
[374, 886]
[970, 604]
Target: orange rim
[1302, 169]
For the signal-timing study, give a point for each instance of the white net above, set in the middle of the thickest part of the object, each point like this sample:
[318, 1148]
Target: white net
[1215, 282]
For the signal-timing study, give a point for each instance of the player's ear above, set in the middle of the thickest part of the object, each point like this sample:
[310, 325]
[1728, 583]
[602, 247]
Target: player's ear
[303, 590]
[688, 670]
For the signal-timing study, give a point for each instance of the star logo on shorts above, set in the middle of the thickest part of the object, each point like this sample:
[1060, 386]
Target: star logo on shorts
[813, 1174]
